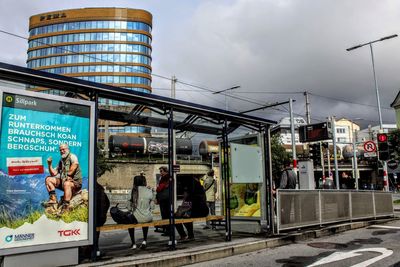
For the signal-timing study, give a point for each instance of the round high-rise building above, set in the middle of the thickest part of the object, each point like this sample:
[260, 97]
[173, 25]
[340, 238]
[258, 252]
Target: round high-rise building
[104, 45]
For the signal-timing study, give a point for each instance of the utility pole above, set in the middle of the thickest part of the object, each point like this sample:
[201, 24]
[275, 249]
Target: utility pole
[106, 134]
[173, 95]
[308, 115]
[293, 136]
[333, 122]
[355, 166]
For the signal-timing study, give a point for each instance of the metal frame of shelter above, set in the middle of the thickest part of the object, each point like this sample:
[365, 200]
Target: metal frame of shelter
[220, 123]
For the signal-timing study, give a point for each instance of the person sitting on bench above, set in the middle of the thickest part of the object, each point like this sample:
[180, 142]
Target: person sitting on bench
[141, 203]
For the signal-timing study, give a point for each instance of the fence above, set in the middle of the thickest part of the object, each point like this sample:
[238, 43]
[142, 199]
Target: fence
[301, 208]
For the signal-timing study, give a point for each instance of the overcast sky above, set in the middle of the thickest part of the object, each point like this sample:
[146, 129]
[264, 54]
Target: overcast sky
[273, 49]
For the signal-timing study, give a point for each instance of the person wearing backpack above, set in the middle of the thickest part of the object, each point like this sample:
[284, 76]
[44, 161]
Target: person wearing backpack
[288, 181]
[141, 205]
[210, 187]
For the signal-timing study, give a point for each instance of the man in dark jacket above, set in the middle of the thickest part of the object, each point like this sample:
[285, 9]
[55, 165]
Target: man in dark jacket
[288, 181]
[197, 197]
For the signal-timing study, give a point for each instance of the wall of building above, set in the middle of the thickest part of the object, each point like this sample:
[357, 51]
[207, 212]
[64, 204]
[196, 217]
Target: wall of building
[121, 178]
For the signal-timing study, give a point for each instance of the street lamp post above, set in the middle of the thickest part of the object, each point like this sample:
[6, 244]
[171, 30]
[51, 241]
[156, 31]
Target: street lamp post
[354, 159]
[224, 91]
[385, 177]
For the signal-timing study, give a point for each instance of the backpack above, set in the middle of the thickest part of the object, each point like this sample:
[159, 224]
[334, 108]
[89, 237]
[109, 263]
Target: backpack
[120, 216]
[291, 179]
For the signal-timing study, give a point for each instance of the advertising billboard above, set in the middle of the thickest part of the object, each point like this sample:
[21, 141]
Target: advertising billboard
[46, 171]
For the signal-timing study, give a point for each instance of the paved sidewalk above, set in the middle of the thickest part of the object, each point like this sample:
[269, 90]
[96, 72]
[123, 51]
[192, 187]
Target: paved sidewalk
[208, 245]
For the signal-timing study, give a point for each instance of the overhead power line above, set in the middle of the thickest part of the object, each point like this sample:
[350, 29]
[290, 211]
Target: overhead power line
[202, 88]
[346, 101]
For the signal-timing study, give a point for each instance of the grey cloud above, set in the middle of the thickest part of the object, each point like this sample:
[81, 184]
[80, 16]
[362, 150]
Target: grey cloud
[263, 45]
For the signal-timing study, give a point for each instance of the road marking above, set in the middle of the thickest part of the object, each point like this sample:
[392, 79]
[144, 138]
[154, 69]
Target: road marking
[337, 256]
[384, 226]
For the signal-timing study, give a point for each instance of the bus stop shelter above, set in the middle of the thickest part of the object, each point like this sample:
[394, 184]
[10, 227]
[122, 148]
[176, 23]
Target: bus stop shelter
[154, 111]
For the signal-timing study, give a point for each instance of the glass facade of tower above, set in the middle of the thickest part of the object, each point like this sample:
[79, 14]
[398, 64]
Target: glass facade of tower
[104, 45]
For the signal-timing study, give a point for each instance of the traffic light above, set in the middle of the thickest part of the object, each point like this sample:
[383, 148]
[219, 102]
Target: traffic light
[315, 153]
[393, 144]
[383, 146]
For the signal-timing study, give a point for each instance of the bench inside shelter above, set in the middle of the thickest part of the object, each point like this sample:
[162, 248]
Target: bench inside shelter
[112, 227]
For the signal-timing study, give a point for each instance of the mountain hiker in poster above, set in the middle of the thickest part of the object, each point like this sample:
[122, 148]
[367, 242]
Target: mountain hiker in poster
[66, 176]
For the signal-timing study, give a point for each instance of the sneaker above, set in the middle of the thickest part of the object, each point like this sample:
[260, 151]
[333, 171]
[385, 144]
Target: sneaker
[133, 246]
[183, 238]
[143, 245]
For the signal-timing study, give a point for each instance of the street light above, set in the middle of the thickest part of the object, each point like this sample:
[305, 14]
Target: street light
[225, 90]
[373, 69]
[385, 177]
[354, 159]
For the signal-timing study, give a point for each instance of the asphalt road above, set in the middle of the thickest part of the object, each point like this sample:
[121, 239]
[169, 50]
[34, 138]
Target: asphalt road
[373, 246]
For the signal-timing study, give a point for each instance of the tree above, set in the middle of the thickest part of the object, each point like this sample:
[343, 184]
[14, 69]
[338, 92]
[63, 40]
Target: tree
[279, 155]
[102, 165]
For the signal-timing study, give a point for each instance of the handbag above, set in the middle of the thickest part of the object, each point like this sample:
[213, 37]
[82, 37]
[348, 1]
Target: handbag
[120, 216]
[184, 210]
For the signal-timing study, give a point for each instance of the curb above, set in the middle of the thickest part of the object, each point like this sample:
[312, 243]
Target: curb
[199, 254]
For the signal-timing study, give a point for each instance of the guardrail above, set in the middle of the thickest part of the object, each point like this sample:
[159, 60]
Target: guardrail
[302, 208]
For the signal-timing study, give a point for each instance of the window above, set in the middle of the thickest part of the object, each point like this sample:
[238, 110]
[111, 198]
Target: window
[341, 130]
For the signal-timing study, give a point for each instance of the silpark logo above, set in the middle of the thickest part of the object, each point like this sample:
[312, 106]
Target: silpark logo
[20, 100]
[9, 99]
[20, 237]
[25, 102]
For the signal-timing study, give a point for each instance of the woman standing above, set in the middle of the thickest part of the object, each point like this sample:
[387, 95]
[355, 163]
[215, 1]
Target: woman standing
[142, 204]
[163, 196]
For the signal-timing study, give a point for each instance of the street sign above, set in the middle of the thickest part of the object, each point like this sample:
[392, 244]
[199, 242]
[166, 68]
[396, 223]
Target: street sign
[370, 146]
[176, 168]
[369, 154]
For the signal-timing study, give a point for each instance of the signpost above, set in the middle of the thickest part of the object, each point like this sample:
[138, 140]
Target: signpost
[370, 149]
[370, 146]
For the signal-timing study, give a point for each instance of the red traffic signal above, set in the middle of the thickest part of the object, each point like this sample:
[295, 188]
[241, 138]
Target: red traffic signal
[383, 146]
[382, 137]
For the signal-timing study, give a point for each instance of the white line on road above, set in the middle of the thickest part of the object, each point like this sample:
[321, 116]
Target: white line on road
[384, 226]
[338, 256]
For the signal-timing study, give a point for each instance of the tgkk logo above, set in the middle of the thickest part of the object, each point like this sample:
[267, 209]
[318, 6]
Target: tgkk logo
[69, 232]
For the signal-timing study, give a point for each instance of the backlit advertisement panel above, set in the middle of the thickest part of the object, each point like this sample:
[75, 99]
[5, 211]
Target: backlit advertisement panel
[46, 171]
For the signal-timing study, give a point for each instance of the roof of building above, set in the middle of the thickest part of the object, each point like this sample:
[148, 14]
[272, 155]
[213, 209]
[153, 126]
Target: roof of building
[396, 102]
